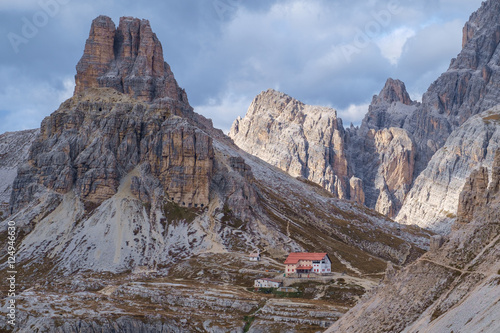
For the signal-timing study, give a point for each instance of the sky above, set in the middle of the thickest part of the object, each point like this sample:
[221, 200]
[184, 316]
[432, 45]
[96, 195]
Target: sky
[336, 53]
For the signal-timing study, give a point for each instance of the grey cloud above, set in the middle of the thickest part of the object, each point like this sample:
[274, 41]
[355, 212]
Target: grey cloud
[226, 51]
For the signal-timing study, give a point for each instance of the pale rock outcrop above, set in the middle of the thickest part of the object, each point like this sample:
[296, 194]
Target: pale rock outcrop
[453, 288]
[303, 140]
[433, 200]
[381, 152]
[467, 88]
[384, 159]
[309, 142]
[436, 243]
[357, 193]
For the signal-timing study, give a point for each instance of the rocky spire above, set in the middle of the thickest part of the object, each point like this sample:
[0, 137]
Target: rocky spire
[389, 108]
[129, 59]
[393, 91]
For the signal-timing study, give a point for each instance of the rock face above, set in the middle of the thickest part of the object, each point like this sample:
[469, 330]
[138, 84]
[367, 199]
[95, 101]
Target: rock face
[473, 197]
[129, 59]
[79, 149]
[356, 190]
[454, 288]
[467, 88]
[383, 154]
[14, 147]
[303, 140]
[385, 160]
[434, 197]
[310, 142]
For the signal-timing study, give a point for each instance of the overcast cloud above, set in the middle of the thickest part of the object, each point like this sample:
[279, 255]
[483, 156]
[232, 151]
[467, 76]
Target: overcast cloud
[224, 52]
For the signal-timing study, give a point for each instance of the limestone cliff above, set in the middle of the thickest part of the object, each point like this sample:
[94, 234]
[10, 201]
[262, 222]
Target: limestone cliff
[384, 159]
[310, 142]
[468, 87]
[303, 140]
[453, 288]
[14, 148]
[434, 197]
[129, 59]
[89, 146]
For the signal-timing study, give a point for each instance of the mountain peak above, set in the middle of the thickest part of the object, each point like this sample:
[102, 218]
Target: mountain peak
[483, 18]
[129, 59]
[393, 91]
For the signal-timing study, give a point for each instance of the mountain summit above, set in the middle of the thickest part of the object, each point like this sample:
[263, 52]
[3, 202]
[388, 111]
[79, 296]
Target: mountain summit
[129, 59]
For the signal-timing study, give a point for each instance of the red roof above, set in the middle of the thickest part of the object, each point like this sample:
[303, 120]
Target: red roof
[294, 257]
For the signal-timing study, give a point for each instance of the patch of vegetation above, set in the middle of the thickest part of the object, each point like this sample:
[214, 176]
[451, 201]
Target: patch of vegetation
[307, 289]
[248, 322]
[436, 314]
[316, 187]
[448, 214]
[174, 212]
[147, 206]
[276, 293]
[89, 207]
[229, 217]
[344, 294]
